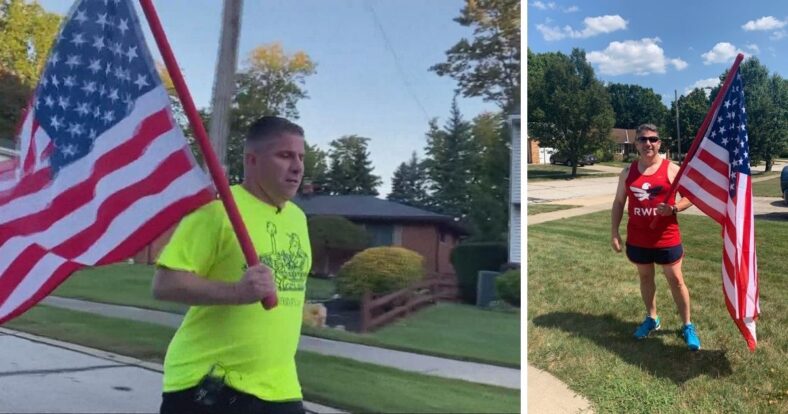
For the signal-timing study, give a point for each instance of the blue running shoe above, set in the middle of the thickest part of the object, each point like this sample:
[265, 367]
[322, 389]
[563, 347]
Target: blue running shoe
[649, 324]
[691, 337]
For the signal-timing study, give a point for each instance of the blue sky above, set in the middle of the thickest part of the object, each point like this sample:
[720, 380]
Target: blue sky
[372, 79]
[663, 45]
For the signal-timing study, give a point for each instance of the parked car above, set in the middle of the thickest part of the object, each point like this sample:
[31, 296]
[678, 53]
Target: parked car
[784, 184]
[559, 158]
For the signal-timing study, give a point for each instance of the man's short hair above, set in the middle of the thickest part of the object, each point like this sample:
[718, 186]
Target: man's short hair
[269, 127]
[643, 127]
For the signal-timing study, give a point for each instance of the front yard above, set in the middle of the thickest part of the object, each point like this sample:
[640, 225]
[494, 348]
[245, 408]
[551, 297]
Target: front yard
[584, 303]
[450, 330]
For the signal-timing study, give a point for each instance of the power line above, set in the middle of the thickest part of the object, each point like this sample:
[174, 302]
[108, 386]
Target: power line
[400, 70]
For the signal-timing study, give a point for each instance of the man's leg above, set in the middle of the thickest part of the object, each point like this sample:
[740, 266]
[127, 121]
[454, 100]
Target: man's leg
[648, 288]
[678, 289]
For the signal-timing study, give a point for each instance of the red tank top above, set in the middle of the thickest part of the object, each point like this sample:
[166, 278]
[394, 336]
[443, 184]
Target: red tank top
[644, 193]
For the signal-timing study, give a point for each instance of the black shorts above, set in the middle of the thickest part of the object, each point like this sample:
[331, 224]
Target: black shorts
[663, 256]
[229, 401]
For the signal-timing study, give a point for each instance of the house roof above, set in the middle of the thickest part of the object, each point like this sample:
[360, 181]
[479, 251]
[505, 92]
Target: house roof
[371, 208]
[623, 136]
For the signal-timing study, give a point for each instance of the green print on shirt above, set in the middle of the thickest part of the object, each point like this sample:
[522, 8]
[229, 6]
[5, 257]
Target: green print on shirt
[288, 264]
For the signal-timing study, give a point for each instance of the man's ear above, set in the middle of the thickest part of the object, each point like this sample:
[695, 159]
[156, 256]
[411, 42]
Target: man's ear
[250, 158]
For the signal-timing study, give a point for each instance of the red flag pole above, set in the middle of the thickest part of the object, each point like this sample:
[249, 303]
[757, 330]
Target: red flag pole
[701, 131]
[217, 174]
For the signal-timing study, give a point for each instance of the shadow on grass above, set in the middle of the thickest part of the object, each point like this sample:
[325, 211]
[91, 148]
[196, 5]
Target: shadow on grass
[661, 360]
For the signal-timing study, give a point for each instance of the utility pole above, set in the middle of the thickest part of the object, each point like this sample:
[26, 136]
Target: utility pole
[678, 132]
[224, 78]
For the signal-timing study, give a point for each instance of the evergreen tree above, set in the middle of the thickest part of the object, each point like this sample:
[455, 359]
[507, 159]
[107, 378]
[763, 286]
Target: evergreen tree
[351, 168]
[409, 184]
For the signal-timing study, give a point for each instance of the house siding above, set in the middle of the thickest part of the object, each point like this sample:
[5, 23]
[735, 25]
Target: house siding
[514, 193]
[425, 240]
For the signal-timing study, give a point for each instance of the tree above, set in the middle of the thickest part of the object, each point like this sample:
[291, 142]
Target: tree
[409, 184]
[765, 100]
[489, 213]
[692, 110]
[450, 163]
[568, 108]
[315, 167]
[271, 83]
[26, 35]
[635, 105]
[351, 169]
[333, 238]
[489, 64]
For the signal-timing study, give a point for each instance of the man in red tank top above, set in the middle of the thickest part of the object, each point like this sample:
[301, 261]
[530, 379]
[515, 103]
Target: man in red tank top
[644, 185]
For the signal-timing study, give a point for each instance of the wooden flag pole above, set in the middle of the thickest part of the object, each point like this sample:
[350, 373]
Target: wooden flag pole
[215, 169]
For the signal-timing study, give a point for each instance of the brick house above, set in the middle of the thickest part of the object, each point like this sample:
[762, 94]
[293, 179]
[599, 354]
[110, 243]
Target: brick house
[393, 224]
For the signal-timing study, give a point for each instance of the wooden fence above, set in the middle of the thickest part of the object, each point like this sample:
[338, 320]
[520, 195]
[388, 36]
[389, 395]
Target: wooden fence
[378, 311]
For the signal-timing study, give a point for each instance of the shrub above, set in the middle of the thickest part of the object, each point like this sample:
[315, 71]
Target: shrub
[379, 270]
[469, 258]
[508, 287]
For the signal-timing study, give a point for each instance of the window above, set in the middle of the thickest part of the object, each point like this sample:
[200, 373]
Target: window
[380, 234]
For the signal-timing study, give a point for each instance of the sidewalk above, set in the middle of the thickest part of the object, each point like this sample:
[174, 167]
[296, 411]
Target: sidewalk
[406, 361]
[40, 375]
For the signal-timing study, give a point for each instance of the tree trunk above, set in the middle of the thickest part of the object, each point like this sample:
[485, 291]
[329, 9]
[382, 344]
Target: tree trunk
[769, 163]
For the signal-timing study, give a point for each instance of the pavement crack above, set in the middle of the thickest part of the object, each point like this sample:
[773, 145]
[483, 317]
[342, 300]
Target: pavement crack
[57, 371]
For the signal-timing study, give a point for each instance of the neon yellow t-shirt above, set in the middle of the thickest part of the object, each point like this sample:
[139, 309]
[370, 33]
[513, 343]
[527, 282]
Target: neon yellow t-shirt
[254, 347]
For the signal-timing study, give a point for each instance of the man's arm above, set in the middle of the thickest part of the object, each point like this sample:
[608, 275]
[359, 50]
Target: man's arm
[617, 212]
[681, 205]
[192, 289]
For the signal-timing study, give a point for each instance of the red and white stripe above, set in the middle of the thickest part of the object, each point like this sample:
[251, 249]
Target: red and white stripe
[137, 181]
[705, 182]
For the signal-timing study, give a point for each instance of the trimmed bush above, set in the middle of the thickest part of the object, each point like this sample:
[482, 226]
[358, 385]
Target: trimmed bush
[380, 270]
[508, 287]
[469, 258]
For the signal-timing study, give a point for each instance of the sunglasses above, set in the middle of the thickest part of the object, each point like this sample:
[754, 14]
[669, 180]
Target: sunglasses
[649, 139]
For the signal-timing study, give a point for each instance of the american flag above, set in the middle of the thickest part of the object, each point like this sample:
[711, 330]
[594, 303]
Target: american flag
[102, 169]
[717, 180]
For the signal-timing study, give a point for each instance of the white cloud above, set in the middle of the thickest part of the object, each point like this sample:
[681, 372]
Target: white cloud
[703, 83]
[754, 48]
[593, 26]
[679, 64]
[639, 57]
[778, 35]
[542, 6]
[571, 9]
[764, 23]
[722, 52]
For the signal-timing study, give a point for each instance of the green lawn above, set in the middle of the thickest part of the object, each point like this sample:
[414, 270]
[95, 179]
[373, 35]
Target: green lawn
[543, 172]
[767, 188]
[584, 303]
[449, 330]
[619, 164]
[454, 331]
[130, 284]
[126, 284]
[337, 382]
[546, 208]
